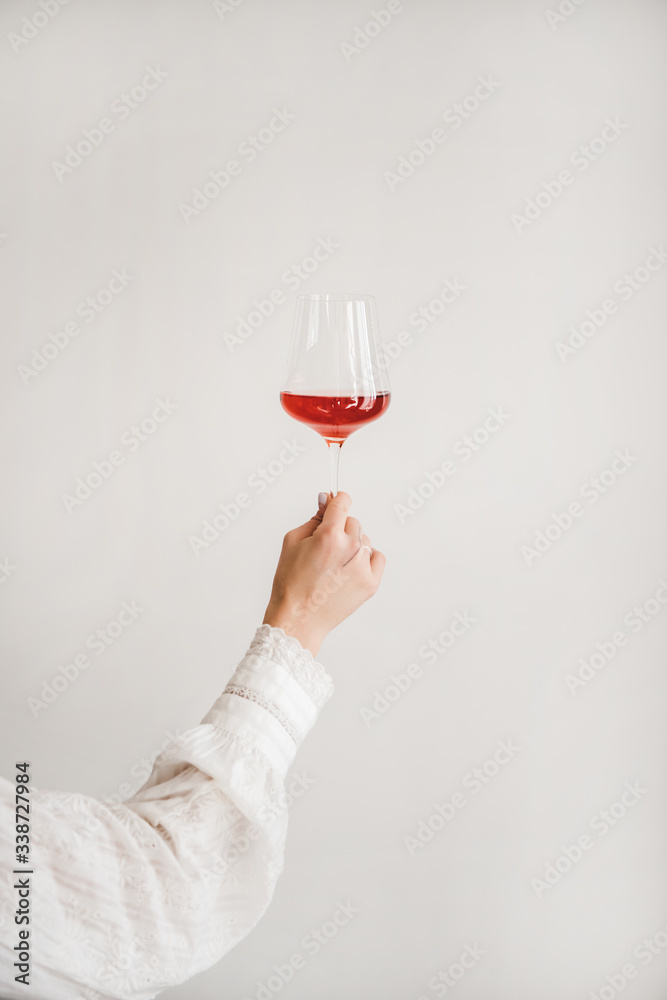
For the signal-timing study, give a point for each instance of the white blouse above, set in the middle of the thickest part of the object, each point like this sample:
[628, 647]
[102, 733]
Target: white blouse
[126, 900]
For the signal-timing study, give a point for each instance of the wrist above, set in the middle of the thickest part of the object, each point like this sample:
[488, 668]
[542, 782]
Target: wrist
[292, 624]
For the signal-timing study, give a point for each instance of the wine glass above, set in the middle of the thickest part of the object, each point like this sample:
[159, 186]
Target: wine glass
[334, 382]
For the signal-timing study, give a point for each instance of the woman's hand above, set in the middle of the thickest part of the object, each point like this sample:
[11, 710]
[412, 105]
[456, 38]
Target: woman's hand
[326, 570]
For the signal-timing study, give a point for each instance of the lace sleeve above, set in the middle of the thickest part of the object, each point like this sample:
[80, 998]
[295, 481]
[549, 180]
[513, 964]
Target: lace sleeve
[272, 643]
[285, 682]
[143, 895]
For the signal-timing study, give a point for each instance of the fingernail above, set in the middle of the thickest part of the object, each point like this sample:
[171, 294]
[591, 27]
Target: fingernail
[322, 499]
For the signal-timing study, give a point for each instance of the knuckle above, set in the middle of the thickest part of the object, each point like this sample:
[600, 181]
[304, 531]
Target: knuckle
[328, 543]
[326, 533]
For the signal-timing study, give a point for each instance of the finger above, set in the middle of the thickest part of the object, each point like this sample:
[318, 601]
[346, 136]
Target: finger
[307, 529]
[353, 528]
[363, 550]
[378, 562]
[322, 501]
[335, 514]
[366, 550]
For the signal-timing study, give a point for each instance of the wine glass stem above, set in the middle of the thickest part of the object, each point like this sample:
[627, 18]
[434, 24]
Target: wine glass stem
[334, 458]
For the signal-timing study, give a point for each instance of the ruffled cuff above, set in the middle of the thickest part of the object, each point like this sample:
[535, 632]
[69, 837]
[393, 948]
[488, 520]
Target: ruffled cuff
[273, 644]
[274, 696]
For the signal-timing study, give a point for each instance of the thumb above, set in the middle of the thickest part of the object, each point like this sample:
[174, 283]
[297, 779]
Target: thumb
[311, 525]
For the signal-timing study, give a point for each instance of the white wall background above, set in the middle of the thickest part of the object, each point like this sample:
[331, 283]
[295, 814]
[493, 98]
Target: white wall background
[67, 573]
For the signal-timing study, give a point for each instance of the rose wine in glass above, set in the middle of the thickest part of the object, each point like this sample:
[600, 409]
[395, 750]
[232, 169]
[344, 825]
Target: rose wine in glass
[334, 382]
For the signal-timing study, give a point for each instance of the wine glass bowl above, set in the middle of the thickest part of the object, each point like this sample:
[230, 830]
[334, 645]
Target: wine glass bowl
[334, 382]
[335, 417]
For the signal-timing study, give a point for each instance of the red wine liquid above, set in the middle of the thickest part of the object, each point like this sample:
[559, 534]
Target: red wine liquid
[335, 417]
